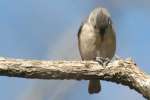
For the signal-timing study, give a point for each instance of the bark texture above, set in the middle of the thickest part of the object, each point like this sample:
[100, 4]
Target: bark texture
[123, 71]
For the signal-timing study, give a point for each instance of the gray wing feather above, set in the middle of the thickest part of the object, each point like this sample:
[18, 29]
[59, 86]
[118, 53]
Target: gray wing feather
[79, 32]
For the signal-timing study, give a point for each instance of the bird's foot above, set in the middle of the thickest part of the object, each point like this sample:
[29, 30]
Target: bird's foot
[100, 60]
[103, 61]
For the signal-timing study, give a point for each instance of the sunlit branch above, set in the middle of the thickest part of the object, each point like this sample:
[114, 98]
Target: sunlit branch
[120, 71]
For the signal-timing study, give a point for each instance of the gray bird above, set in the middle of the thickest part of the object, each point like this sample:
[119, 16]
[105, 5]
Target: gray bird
[96, 39]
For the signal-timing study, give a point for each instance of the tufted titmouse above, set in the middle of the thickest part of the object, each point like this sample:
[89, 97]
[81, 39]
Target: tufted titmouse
[96, 39]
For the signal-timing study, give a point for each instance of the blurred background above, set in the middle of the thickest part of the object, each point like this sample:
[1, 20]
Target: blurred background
[47, 30]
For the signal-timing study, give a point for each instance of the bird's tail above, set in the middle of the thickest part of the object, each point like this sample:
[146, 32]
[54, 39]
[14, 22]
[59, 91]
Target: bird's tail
[94, 86]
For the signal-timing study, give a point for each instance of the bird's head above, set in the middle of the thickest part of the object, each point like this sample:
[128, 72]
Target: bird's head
[100, 18]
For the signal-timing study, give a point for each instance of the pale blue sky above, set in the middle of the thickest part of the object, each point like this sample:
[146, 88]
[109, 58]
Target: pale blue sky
[44, 29]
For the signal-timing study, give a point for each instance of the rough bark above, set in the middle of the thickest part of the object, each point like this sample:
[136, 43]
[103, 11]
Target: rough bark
[121, 71]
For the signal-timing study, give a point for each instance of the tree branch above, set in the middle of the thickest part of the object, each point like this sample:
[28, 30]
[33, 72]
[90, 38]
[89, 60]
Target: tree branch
[121, 71]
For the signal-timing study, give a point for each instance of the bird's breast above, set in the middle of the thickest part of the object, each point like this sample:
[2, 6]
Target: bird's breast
[88, 40]
[88, 45]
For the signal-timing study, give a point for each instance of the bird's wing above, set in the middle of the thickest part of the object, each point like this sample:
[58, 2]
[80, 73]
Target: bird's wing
[80, 29]
[79, 32]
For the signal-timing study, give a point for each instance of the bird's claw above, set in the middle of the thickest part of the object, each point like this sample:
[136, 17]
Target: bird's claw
[103, 61]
